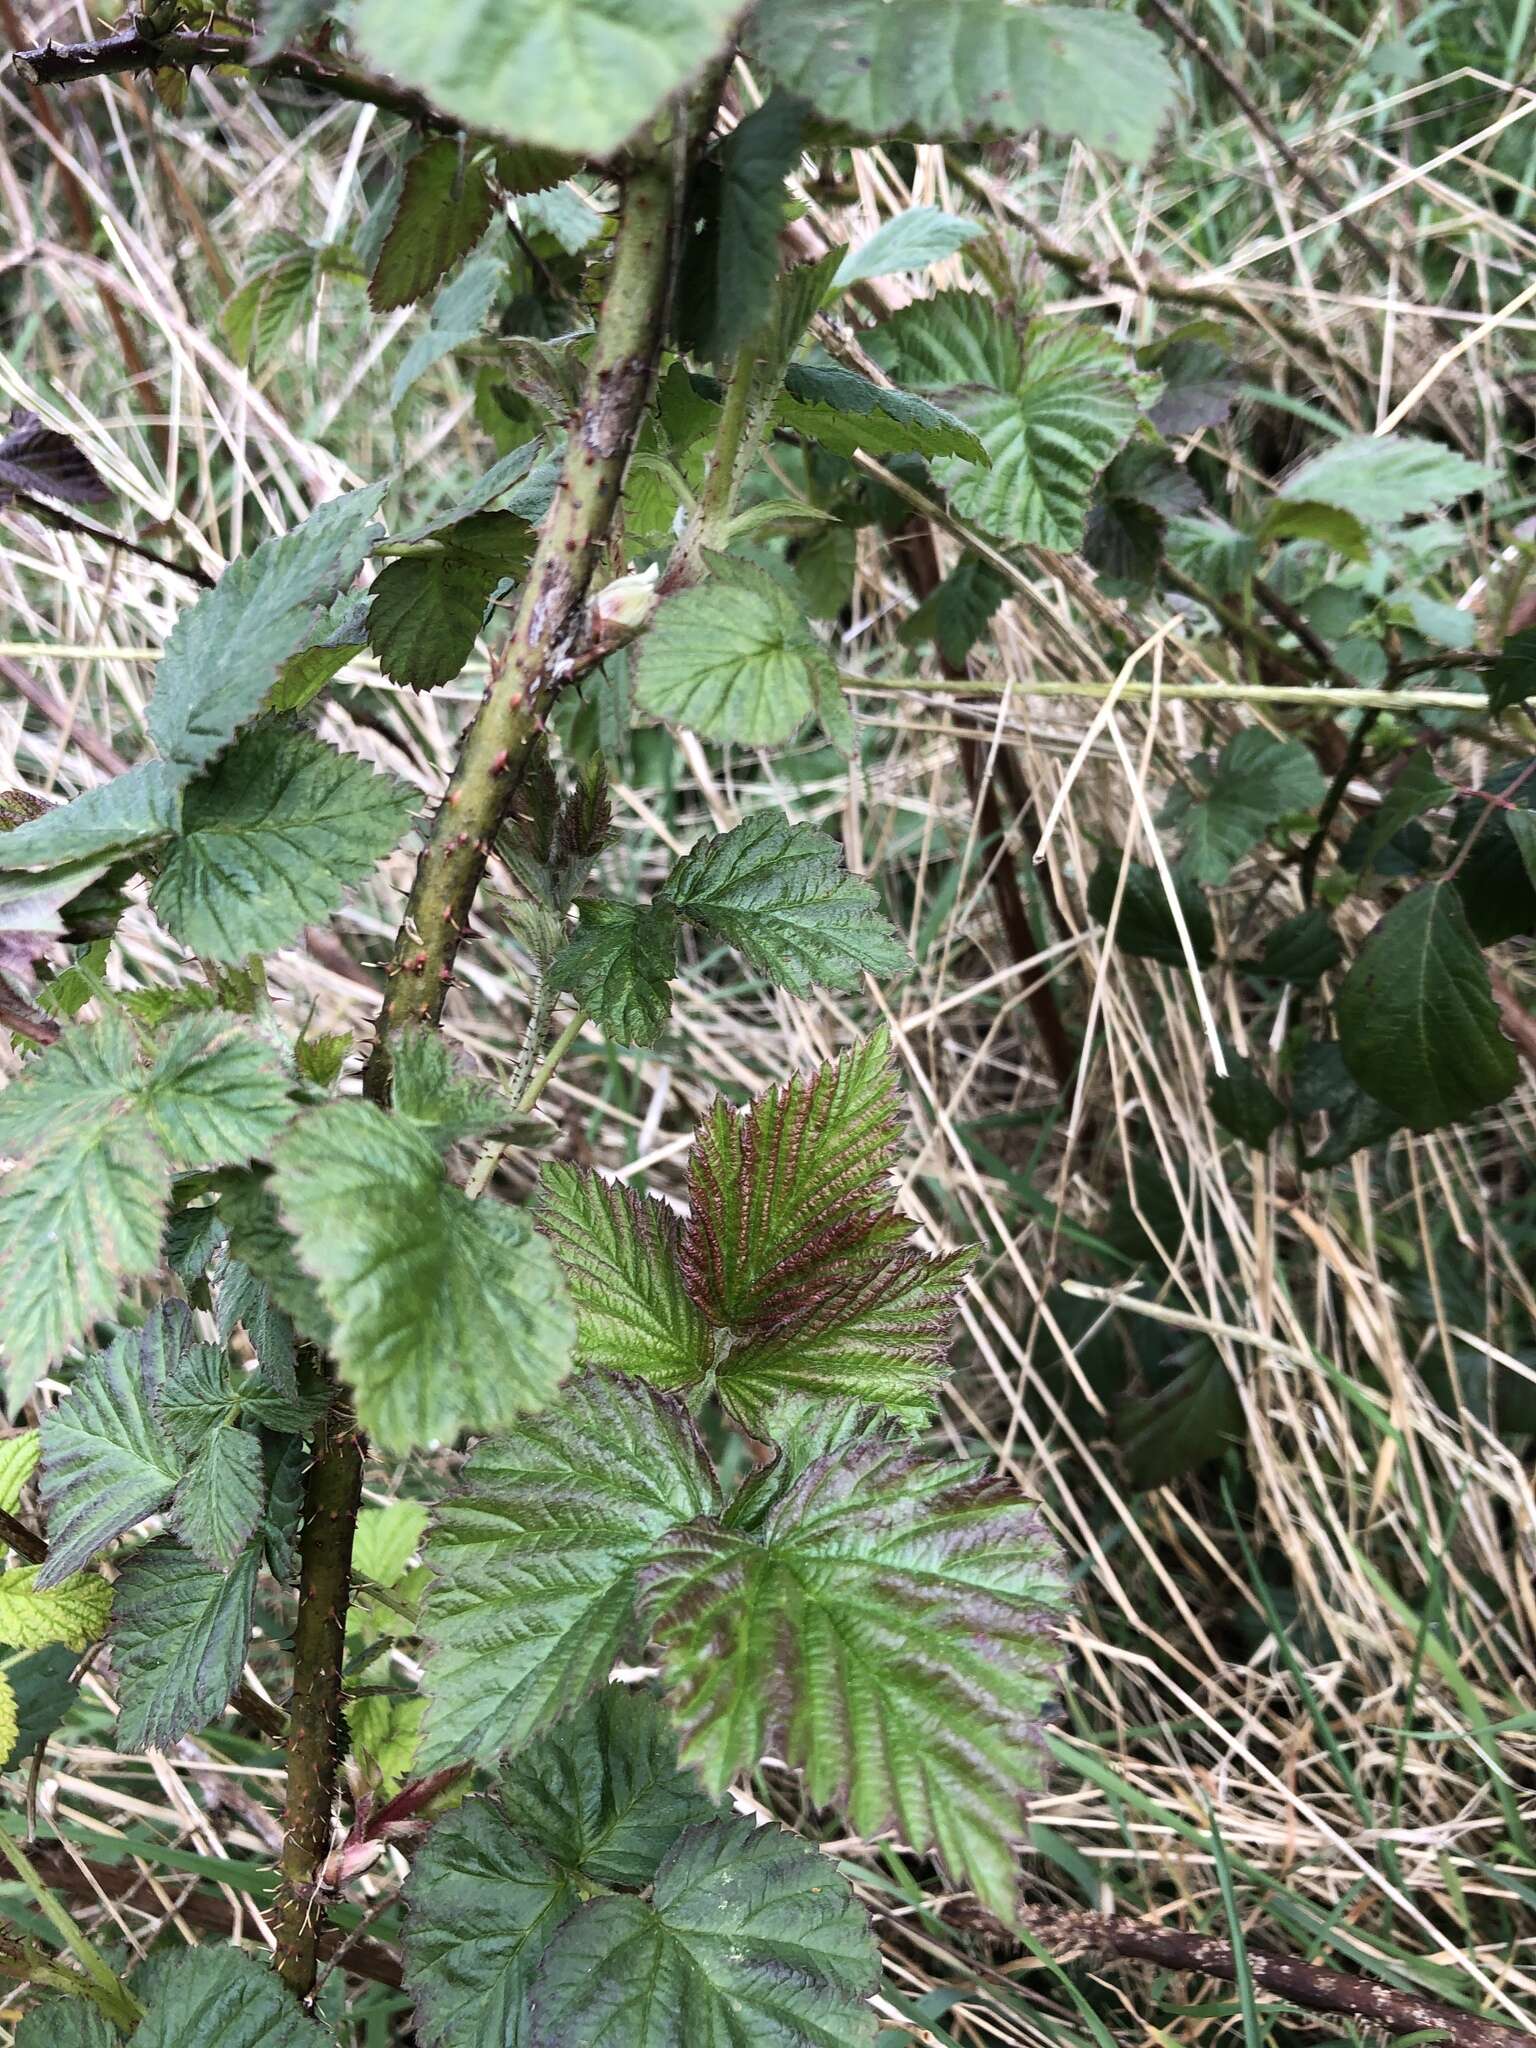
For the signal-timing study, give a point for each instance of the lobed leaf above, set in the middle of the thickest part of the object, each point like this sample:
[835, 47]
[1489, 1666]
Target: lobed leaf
[890, 1629]
[1258, 780]
[535, 1560]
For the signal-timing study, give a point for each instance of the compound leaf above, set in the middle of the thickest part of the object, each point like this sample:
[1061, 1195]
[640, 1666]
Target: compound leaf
[443, 209]
[580, 76]
[449, 1314]
[536, 1559]
[619, 967]
[780, 894]
[1418, 1025]
[179, 1631]
[219, 1502]
[887, 1629]
[970, 68]
[1050, 407]
[214, 1997]
[226, 652]
[619, 1251]
[270, 840]
[750, 1934]
[106, 1463]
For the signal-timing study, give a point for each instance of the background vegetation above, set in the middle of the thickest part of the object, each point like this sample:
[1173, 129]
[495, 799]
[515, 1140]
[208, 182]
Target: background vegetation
[1282, 1414]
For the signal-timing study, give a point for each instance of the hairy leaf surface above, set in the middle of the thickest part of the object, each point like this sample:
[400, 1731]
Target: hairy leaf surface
[845, 412]
[106, 1463]
[449, 1314]
[908, 241]
[619, 967]
[219, 1502]
[1384, 479]
[179, 1631]
[226, 651]
[888, 1629]
[213, 1997]
[536, 1559]
[731, 663]
[780, 894]
[618, 1251]
[271, 839]
[971, 67]
[749, 1934]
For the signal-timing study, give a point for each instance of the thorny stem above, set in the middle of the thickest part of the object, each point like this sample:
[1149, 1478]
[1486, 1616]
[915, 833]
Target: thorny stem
[546, 634]
[490, 1157]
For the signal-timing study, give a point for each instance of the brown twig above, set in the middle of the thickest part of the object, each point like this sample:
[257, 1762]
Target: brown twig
[1290, 1977]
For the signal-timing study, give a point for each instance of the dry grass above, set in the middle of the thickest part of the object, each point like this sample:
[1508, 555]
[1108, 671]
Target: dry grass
[1305, 1674]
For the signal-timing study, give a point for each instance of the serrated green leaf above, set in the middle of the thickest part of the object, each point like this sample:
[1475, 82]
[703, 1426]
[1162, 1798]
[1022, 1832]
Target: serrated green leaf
[66, 2023]
[620, 966]
[1050, 406]
[259, 1238]
[1302, 950]
[219, 1501]
[908, 241]
[1258, 780]
[618, 1251]
[1243, 1102]
[959, 612]
[726, 283]
[179, 1631]
[106, 1462]
[1324, 1085]
[457, 315]
[271, 839]
[131, 812]
[1188, 1422]
[602, 1794]
[579, 77]
[94, 1133]
[970, 68]
[890, 1631]
[1385, 479]
[1417, 1022]
[449, 1314]
[426, 615]
[1146, 925]
[386, 1734]
[1308, 519]
[226, 651]
[443, 209]
[535, 1560]
[530, 494]
[846, 412]
[72, 1611]
[443, 1101]
[780, 894]
[18, 1460]
[480, 1907]
[750, 1934]
[219, 1997]
[386, 1540]
[195, 1398]
[1510, 681]
[731, 663]
[39, 1681]
[340, 636]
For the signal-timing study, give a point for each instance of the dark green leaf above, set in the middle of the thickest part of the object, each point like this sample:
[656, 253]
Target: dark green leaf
[220, 1997]
[425, 616]
[1257, 781]
[1243, 1102]
[106, 1463]
[755, 159]
[1323, 1085]
[749, 1935]
[443, 209]
[40, 1682]
[179, 1631]
[619, 967]
[1302, 950]
[1146, 925]
[219, 1502]
[846, 412]
[1512, 678]
[1417, 1022]
[1187, 1423]
[959, 612]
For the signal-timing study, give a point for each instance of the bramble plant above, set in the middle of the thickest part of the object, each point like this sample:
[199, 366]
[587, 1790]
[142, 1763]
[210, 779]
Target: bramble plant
[260, 1258]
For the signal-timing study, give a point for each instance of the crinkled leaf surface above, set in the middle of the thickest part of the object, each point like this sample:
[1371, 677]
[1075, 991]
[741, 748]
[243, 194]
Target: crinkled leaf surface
[444, 1101]
[106, 1462]
[749, 1935]
[1050, 406]
[1417, 1022]
[535, 1559]
[618, 1251]
[619, 967]
[219, 1502]
[271, 839]
[449, 1314]
[1384, 479]
[781, 895]
[573, 75]
[71, 1611]
[889, 1630]
[219, 1997]
[845, 412]
[95, 1128]
[227, 650]
[179, 1631]
[425, 615]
